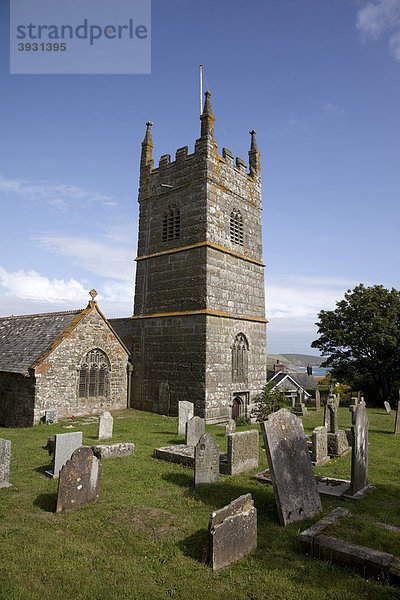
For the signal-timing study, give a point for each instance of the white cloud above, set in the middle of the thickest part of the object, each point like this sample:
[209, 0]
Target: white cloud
[333, 109]
[56, 194]
[34, 286]
[378, 18]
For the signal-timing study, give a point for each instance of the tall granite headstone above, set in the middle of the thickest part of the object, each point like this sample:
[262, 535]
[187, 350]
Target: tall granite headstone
[79, 481]
[319, 451]
[64, 445]
[106, 424]
[185, 412]
[206, 460]
[5, 457]
[397, 421]
[387, 407]
[290, 466]
[195, 428]
[359, 457]
[243, 451]
[317, 399]
[232, 532]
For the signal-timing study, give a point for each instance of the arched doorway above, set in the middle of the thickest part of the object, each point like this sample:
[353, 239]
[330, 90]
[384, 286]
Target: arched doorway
[236, 407]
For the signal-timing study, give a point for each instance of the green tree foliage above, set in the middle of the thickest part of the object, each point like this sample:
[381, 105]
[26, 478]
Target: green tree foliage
[361, 339]
[269, 400]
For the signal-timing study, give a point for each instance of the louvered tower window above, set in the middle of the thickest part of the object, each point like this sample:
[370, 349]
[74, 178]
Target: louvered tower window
[236, 227]
[171, 224]
[94, 381]
[240, 351]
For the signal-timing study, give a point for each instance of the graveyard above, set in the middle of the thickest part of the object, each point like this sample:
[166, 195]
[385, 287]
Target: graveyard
[145, 533]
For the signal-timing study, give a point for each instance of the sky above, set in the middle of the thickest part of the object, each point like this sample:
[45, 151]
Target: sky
[319, 82]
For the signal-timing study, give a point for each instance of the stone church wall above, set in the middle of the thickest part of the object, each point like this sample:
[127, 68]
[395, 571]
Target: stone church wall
[58, 375]
[17, 397]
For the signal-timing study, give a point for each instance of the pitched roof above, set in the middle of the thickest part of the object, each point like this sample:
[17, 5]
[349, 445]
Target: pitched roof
[306, 381]
[24, 339]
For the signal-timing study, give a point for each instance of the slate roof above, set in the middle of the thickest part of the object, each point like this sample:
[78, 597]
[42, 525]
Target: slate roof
[24, 339]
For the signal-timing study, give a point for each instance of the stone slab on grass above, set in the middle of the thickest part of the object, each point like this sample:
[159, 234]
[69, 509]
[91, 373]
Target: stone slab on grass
[119, 449]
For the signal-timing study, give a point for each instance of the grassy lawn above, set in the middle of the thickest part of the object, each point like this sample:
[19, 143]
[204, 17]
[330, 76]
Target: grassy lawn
[145, 536]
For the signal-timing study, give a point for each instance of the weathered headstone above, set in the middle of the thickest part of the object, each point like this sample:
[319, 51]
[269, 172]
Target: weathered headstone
[299, 408]
[397, 421]
[290, 466]
[206, 460]
[243, 451]
[5, 457]
[387, 407]
[333, 406]
[230, 427]
[64, 445]
[79, 481]
[317, 399]
[105, 429]
[195, 428]
[185, 412]
[232, 532]
[51, 416]
[319, 451]
[359, 457]
[352, 408]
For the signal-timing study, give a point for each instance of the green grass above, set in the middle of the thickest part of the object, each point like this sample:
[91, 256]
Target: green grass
[365, 533]
[145, 536]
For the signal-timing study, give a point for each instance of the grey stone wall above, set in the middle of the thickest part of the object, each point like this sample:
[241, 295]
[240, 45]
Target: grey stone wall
[17, 397]
[57, 376]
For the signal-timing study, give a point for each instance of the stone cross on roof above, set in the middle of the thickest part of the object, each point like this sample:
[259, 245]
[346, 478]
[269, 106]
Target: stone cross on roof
[93, 294]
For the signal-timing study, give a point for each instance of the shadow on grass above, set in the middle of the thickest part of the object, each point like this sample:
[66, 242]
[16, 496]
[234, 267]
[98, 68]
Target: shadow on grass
[196, 546]
[43, 469]
[46, 502]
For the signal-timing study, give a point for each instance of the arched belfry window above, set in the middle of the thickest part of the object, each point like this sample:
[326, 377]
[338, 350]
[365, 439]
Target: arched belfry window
[236, 227]
[171, 224]
[240, 351]
[94, 380]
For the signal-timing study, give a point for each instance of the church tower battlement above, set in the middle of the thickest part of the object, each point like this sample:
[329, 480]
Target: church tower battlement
[199, 313]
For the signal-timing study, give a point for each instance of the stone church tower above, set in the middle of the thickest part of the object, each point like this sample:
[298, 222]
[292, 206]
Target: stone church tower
[199, 327]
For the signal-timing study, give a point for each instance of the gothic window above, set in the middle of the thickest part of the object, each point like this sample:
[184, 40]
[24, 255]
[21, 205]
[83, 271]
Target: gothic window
[94, 375]
[240, 350]
[236, 227]
[171, 224]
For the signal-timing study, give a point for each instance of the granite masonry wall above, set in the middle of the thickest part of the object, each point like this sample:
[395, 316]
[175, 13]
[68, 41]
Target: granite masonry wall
[17, 398]
[57, 377]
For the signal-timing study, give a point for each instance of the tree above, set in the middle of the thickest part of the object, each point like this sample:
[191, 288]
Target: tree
[269, 400]
[361, 338]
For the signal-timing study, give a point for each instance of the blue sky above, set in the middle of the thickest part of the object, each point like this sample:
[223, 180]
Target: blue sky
[319, 82]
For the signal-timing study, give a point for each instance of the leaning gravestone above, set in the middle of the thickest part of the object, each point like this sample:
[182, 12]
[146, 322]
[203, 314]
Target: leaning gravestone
[206, 460]
[64, 445]
[230, 427]
[290, 466]
[397, 421]
[51, 416]
[105, 429]
[232, 532]
[359, 457]
[195, 428]
[387, 407]
[5, 457]
[185, 412]
[79, 481]
[242, 451]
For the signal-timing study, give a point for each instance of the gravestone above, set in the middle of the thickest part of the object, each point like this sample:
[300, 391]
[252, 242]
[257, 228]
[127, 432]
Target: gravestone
[64, 445]
[359, 457]
[51, 416]
[317, 399]
[5, 457]
[337, 439]
[230, 427]
[232, 532]
[79, 481]
[352, 408]
[319, 451]
[119, 449]
[299, 408]
[388, 408]
[195, 428]
[292, 476]
[243, 452]
[333, 406]
[206, 460]
[105, 429]
[397, 421]
[185, 412]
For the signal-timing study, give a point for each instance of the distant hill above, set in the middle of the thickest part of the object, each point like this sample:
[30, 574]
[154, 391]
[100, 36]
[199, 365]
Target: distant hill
[295, 360]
